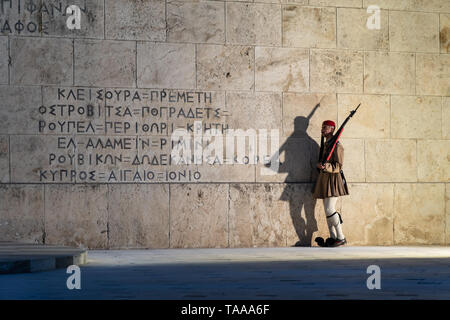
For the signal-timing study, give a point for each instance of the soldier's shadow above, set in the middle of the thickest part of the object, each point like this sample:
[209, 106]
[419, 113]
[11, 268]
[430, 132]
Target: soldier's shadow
[301, 154]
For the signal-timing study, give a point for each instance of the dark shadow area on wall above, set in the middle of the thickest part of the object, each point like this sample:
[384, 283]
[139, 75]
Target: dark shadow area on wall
[301, 154]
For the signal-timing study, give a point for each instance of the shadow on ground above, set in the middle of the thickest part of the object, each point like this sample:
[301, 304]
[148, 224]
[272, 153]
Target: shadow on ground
[226, 279]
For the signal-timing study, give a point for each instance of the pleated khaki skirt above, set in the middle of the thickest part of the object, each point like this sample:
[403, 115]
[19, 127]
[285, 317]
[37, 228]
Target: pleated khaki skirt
[329, 185]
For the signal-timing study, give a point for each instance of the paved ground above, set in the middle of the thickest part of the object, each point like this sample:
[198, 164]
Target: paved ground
[254, 273]
[25, 257]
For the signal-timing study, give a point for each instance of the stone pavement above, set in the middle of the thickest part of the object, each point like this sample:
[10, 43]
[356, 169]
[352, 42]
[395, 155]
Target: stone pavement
[247, 273]
[25, 257]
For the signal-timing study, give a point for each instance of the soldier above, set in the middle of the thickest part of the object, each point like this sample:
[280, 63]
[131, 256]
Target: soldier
[329, 186]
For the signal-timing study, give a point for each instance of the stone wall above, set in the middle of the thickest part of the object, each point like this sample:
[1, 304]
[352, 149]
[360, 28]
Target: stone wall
[87, 117]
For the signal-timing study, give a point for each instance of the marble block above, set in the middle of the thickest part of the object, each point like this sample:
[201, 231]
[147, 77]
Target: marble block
[391, 160]
[419, 214]
[165, 65]
[92, 24]
[372, 120]
[432, 72]
[281, 69]
[413, 31]
[336, 71]
[22, 213]
[254, 110]
[354, 160]
[229, 67]
[416, 117]
[433, 160]
[198, 216]
[257, 216]
[353, 33]
[105, 63]
[19, 109]
[313, 27]
[41, 61]
[196, 22]
[253, 24]
[77, 215]
[135, 20]
[138, 216]
[378, 75]
[371, 221]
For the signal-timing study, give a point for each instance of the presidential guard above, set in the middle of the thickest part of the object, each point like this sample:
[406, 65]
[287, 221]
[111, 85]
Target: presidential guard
[330, 185]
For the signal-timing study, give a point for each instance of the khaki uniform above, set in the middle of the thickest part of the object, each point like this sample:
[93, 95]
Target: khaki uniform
[330, 182]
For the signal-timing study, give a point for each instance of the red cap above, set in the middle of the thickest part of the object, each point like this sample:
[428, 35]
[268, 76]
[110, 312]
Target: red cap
[329, 123]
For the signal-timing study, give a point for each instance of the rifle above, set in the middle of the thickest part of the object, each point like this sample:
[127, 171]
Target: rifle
[333, 141]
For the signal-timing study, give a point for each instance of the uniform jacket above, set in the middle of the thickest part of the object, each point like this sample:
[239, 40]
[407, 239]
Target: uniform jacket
[330, 182]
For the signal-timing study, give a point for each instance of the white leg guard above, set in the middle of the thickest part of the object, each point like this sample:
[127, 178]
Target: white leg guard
[336, 221]
[329, 206]
[331, 228]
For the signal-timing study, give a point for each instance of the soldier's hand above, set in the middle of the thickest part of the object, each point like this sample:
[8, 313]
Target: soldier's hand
[320, 166]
